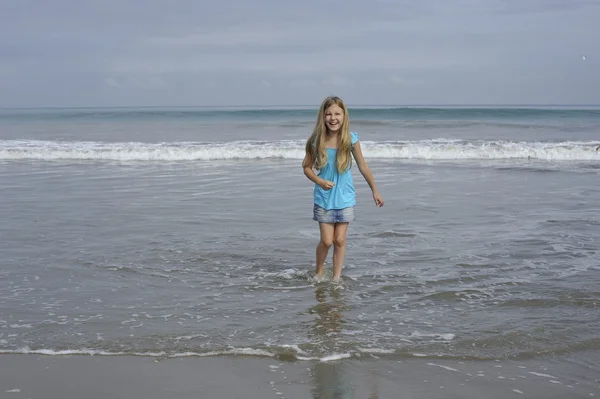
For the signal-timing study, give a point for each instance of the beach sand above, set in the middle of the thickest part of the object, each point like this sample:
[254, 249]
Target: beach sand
[95, 377]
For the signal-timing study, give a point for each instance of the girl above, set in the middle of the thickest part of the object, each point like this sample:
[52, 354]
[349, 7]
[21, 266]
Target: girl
[329, 150]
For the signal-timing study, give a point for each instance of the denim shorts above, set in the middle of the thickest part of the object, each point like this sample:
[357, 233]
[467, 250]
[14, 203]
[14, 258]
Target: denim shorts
[323, 215]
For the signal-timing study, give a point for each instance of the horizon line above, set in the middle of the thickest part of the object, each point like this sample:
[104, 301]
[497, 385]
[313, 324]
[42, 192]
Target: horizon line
[301, 105]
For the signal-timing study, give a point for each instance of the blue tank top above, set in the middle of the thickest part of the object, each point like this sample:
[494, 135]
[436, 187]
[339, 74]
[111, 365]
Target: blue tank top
[342, 195]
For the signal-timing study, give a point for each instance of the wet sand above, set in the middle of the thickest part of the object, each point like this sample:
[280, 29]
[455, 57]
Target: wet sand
[95, 377]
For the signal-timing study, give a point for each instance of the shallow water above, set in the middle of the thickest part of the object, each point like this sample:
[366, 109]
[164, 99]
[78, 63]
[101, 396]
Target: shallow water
[105, 249]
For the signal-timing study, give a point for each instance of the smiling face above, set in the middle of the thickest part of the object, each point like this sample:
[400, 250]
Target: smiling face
[334, 118]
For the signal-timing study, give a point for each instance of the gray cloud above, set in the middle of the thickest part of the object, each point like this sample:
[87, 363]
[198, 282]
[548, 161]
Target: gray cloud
[274, 52]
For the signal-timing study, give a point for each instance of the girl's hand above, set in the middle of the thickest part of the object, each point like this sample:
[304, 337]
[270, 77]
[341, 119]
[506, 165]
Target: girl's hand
[377, 198]
[326, 184]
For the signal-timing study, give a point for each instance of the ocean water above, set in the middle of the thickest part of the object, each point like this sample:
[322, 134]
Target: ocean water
[188, 232]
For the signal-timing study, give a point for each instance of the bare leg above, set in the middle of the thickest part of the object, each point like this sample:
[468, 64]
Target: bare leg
[327, 230]
[339, 248]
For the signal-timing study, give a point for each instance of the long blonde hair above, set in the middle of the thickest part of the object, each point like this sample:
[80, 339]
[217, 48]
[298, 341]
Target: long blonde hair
[315, 145]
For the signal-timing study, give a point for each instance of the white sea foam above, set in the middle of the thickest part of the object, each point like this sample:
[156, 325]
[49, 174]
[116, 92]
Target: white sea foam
[294, 347]
[541, 374]
[232, 351]
[376, 350]
[20, 326]
[95, 352]
[441, 366]
[335, 356]
[443, 336]
[66, 352]
[287, 149]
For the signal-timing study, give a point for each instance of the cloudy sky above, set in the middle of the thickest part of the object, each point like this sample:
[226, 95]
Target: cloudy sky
[283, 52]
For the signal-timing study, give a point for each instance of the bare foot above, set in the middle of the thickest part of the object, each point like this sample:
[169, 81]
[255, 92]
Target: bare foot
[318, 278]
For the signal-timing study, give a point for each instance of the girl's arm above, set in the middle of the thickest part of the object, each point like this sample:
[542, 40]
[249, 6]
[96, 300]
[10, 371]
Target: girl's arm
[312, 176]
[366, 172]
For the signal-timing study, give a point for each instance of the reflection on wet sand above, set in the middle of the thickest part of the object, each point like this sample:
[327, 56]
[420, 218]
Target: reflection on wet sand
[329, 320]
[330, 379]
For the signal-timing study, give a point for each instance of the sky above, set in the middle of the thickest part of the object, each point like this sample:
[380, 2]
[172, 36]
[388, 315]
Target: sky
[280, 52]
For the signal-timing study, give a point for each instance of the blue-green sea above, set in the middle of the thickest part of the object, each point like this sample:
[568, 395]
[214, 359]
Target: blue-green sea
[188, 232]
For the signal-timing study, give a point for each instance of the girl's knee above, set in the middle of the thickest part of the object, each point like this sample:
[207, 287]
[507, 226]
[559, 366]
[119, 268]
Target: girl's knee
[326, 242]
[339, 241]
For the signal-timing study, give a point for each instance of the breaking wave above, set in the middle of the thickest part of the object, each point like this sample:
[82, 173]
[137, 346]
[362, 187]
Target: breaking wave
[439, 149]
